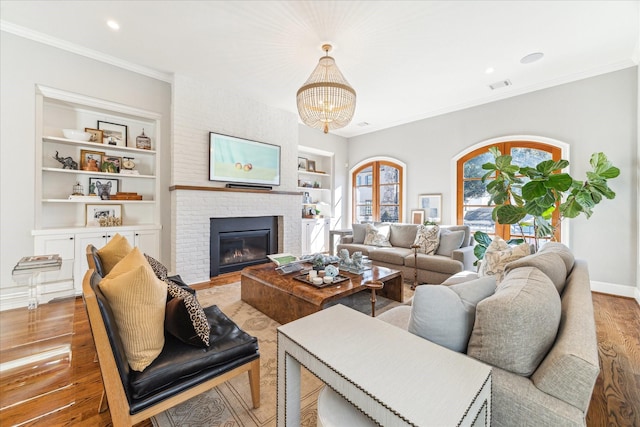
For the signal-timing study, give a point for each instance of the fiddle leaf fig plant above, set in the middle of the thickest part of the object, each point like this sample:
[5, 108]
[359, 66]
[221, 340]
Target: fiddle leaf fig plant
[521, 191]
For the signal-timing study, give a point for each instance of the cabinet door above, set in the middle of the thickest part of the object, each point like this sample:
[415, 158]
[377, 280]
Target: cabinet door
[148, 241]
[63, 245]
[97, 239]
[318, 243]
[307, 228]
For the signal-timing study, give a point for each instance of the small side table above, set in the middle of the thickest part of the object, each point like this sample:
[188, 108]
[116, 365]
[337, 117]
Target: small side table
[337, 232]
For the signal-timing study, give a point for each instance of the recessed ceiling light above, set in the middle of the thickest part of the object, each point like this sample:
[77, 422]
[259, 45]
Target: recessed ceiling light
[113, 24]
[532, 57]
[489, 70]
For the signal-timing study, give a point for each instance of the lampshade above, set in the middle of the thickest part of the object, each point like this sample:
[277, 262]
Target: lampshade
[326, 101]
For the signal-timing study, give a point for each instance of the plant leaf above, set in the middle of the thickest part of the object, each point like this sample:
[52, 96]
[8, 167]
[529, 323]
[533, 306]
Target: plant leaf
[533, 189]
[510, 214]
[482, 238]
[559, 181]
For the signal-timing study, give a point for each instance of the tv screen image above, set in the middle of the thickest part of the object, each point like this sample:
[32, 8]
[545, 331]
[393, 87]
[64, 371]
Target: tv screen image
[233, 159]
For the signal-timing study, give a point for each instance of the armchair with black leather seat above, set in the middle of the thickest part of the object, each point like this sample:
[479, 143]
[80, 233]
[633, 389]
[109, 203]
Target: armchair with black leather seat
[180, 372]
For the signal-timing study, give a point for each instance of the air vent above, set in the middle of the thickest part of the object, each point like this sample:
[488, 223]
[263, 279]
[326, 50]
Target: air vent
[362, 124]
[500, 84]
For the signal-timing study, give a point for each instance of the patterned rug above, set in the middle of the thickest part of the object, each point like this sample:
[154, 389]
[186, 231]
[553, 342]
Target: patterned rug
[229, 405]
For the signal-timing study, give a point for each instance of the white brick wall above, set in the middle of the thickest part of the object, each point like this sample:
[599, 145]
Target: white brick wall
[198, 109]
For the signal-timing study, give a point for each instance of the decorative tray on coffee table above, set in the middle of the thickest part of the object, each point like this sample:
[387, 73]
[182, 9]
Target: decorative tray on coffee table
[305, 278]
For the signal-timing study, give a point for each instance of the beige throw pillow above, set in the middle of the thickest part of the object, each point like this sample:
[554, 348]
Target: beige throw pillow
[377, 236]
[428, 238]
[137, 298]
[116, 249]
[498, 255]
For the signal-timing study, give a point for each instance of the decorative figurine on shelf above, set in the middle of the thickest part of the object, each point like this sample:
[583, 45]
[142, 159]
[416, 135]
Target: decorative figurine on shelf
[67, 162]
[78, 190]
[143, 141]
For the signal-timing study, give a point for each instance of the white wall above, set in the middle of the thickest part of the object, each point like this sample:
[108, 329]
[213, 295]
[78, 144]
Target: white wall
[596, 114]
[23, 64]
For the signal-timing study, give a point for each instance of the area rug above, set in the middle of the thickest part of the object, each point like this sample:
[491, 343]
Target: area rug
[229, 404]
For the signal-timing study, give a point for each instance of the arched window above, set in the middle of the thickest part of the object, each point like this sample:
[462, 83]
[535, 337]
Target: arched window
[472, 196]
[377, 192]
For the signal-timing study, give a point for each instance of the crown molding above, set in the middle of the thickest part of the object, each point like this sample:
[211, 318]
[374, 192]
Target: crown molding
[36, 36]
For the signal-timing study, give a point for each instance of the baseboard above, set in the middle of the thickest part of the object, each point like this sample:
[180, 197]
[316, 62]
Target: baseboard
[637, 295]
[615, 289]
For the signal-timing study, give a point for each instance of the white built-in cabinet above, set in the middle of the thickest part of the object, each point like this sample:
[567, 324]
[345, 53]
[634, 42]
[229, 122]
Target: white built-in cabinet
[61, 222]
[318, 184]
[315, 235]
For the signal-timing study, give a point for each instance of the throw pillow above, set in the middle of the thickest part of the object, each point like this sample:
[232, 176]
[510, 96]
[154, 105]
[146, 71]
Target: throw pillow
[377, 236]
[562, 250]
[137, 298]
[185, 319]
[445, 314]
[498, 255]
[516, 327]
[402, 235]
[116, 249]
[549, 263]
[359, 232]
[427, 238]
[449, 241]
[158, 268]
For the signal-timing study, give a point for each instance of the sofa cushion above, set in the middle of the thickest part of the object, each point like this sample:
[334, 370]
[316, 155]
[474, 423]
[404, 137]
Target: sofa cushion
[377, 236]
[427, 237]
[564, 252]
[390, 255]
[445, 314]
[436, 263]
[461, 277]
[359, 233]
[549, 263]
[185, 319]
[468, 237]
[516, 326]
[354, 247]
[449, 241]
[498, 255]
[158, 268]
[137, 298]
[116, 249]
[402, 235]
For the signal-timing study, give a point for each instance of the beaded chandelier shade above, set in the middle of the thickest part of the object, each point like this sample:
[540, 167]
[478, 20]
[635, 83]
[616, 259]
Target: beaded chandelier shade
[326, 101]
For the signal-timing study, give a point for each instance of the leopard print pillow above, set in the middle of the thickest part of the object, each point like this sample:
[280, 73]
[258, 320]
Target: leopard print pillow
[184, 317]
[158, 268]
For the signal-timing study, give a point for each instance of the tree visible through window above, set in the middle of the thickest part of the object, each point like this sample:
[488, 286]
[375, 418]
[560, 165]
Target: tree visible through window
[472, 208]
[377, 192]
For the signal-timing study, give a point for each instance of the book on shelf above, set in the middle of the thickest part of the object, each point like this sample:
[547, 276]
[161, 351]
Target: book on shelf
[90, 197]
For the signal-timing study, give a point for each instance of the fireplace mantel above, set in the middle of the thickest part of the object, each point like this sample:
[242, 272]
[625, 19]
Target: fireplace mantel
[234, 190]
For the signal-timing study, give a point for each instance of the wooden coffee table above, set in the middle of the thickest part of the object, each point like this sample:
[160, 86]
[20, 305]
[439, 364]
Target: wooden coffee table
[285, 299]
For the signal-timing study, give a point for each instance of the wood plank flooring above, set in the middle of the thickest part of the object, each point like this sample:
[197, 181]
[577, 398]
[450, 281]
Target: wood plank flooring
[615, 400]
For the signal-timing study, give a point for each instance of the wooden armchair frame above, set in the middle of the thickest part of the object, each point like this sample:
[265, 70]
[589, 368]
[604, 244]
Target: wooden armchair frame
[113, 395]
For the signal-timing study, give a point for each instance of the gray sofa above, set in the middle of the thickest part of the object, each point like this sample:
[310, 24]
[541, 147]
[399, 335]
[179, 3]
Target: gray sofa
[434, 269]
[542, 384]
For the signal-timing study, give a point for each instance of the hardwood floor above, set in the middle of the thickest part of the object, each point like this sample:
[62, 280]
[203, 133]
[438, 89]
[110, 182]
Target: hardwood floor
[615, 400]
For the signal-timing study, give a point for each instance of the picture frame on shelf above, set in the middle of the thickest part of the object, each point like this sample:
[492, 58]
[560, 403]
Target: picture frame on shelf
[417, 216]
[302, 163]
[111, 164]
[103, 187]
[103, 215]
[432, 206]
[113, 133]
[311, 165]
[97, 135]
[91, 160]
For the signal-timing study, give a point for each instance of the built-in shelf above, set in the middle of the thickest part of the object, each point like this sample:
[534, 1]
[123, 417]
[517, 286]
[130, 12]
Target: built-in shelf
[92, 173]
[98, 201]
[96, 145]
[304, 172]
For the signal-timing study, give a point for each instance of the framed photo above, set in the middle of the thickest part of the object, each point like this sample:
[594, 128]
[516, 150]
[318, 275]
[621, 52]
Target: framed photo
[302, 163]
[103, 215]
[103, 187]
[113, 133]
[417, 216]
[111, 164]
[96, 135]
[311, 165]
[432, 206]
[91, 160]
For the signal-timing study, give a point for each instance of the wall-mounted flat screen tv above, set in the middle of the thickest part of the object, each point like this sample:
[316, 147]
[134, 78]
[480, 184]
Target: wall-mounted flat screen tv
[243, 161]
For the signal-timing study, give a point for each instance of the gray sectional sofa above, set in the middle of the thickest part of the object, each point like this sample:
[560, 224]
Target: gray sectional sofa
[450, 258]
[536, 329]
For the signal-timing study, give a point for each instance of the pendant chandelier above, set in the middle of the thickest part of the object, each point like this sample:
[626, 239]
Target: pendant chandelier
[326, 101]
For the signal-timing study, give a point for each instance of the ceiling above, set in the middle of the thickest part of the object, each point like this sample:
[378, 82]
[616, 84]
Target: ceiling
[407, 60]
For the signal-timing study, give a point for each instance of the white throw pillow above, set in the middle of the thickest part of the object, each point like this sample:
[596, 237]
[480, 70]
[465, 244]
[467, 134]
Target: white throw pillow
[498, 255]
[449, 241]
[445, 315]
[377, 236]
[428, 238]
